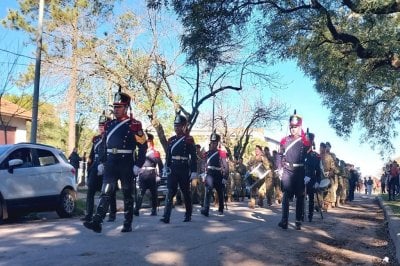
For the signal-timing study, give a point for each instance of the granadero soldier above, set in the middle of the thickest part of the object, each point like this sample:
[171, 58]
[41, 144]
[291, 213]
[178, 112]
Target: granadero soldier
[313, 171]
[121, 138]
[217, 170]
[293, 150]
[148, 175]
[95, 174]
[181, 161]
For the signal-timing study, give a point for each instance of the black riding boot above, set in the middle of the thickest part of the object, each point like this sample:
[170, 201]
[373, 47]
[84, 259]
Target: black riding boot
[167, 209]
[128, 209]
[95, 224]
[138, 204]
[285, 211]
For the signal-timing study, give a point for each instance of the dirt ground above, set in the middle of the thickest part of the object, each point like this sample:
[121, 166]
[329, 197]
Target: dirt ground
[353, 234]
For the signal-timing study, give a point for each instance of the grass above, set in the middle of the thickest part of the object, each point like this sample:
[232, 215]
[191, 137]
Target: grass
[394, 205]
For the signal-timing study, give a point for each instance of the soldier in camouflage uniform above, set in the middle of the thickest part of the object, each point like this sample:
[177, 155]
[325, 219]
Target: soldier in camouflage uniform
[341, 191]
[329, 171]
[335, 179]
[197, 185]
[238, 170]
[265, 185]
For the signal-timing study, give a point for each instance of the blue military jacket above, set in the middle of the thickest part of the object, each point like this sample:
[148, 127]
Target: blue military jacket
[182, 151]
[122, 137]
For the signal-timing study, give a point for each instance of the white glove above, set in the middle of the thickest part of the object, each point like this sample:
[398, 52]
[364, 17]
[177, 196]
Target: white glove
[316, 185]
[136, 170]
[203, 177]
[100, 169]
[193, 175]
[306, 180]
[280, 173]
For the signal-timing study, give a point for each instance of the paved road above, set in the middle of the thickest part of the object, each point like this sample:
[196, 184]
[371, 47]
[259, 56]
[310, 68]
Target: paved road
[242, 237]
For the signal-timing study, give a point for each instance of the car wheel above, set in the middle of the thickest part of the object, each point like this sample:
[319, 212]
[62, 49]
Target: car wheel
[66, 206]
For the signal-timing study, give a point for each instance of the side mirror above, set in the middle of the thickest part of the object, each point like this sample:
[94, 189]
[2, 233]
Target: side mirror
[14, 163]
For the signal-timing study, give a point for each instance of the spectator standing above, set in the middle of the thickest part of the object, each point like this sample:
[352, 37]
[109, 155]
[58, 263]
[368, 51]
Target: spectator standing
[74, 160]
[370, 183]
[393, 180]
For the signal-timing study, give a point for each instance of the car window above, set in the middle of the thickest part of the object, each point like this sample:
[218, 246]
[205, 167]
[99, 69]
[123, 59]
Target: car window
[62, 155]
[23, 154]
[4, 148]
[46, 157]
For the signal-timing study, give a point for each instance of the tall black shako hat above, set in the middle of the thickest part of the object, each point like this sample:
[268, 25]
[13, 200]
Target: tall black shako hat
[103, 118]
[121, 98]
[150, 137]
[295, 120]
[310, 136]
[180, 120]
[215, 137]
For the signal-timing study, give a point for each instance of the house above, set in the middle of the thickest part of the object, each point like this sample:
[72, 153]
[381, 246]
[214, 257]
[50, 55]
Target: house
[13, 120]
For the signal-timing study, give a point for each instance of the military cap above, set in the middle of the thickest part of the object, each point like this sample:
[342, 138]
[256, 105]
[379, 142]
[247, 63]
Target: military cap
[121, 98]
[295, 120]
[180, 120]
[103, 119]
[215, 137]
[328, 144]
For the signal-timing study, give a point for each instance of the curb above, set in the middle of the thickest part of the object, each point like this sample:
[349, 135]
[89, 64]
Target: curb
[393, 225]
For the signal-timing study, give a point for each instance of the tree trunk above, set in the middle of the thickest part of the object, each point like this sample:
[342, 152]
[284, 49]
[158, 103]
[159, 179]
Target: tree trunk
[72, 93]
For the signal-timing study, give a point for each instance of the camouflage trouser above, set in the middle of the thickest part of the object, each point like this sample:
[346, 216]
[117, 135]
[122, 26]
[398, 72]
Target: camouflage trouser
[330, 197]
[237, 186]
[265, 190]
[229, 188]
[197, 190]
[341, 192]
[277, 187]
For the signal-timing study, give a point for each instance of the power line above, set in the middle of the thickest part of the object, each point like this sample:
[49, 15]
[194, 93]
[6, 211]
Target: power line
[17, 54]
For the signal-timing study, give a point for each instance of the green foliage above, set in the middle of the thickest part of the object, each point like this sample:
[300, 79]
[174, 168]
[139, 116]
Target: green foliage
[350, 49]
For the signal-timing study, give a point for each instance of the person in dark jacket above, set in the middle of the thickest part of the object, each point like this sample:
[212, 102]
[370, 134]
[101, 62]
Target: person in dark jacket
[74, 160]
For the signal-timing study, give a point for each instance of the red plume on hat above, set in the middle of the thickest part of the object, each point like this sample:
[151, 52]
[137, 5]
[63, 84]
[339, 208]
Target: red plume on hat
[295, 120]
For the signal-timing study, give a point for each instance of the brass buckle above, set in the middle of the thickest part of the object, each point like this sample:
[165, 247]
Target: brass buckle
[114, 150]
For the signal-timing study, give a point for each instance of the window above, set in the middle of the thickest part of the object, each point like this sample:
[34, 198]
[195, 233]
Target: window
[46, 157]
[23, 154]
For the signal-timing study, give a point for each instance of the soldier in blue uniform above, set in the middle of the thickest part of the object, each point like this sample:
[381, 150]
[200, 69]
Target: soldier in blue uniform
[147, 176]
[293, 150]
[181, 162]
[95, 174]
[121, 138]
[217, 170]
[313, 172]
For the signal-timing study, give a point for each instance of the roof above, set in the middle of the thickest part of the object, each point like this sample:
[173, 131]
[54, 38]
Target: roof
[11, 109]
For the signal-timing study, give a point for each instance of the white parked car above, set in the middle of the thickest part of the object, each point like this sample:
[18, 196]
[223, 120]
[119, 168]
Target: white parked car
[34, 178]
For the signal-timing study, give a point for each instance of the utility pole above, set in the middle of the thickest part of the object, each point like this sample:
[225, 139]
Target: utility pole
[35, 104]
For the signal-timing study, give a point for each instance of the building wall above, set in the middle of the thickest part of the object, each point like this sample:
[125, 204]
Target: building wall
[20, 133]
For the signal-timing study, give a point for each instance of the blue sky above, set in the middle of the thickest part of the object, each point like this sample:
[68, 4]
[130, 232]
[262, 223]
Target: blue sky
[299, 94]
